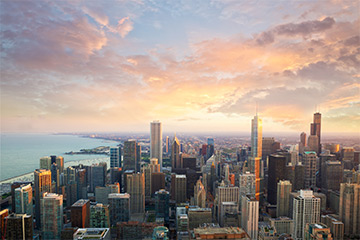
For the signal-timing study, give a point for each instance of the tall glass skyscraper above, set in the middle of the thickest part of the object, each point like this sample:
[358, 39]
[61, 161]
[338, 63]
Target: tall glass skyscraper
[115, 157]
[156, 141]
[256, 137]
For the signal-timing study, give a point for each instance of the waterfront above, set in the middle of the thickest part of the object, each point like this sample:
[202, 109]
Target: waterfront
[21, 153]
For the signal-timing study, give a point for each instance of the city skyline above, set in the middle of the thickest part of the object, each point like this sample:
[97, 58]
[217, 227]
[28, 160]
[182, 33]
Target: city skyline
[193, 65]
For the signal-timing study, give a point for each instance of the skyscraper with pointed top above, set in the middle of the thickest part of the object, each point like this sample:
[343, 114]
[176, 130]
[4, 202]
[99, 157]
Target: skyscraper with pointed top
[175, 153]
[256, 152]
[156, 141]
[315, 130]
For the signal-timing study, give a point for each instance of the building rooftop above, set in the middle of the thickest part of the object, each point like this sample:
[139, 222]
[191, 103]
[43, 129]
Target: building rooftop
[80, 202]
[218, 230]
[180, 176]
[119, 195]
[91, 233]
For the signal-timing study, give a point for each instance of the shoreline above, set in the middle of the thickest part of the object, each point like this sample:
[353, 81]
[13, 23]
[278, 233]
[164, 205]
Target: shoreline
[66, 164]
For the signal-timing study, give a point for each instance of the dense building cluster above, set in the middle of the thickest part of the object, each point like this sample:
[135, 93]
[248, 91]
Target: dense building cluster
[308, 190]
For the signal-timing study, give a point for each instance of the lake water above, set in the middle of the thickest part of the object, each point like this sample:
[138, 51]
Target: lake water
[21, 153]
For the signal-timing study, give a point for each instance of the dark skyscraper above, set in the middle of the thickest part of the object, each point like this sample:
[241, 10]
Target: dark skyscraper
[316, 129]
[277, 172]
[130, 155]
[175, 153]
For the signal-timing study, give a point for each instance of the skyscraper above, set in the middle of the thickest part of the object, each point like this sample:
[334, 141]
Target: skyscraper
[98, 175]
[283, 198]
[130, 156]
[250, 216]
[199, 194]
[51, 215]
[276, 172]
[136, 188]
[19, 226]
[256, 137]
[349, 211]
[306, 209]
[115, 157]
[309, 161]
[156, 141]
[24, 199]
[45, 163]
[42, 180]
[162, 198]
[225, 194]
[256, 152]
[80, 213]
[316, 129]
[167, 145]
[175, 154]
[99, 216]
[119, 206]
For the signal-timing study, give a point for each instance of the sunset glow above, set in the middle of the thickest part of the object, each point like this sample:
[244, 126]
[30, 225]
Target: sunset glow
[194, 65]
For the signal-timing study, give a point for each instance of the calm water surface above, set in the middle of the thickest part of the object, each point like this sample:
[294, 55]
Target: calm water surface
[21, 153]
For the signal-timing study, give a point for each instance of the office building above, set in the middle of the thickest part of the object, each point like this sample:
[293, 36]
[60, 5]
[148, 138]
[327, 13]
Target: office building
[156, 141]
[146, 170]
[313, 144]
[97, 176]
[283, 198]
[198, 217]
[115, 157]
[317, 231]
[283, 225]
[335, 225]
[212, 232]
[306, 209]
[130, 156]
[42, 181]
[18, 226]
[119, 207]
[310, 161]
[247, 183]
[199, 194]
[162, 198]
[256, 153]
[154, 165]
[349, 211]
[136, 188]
[115, 176]
[316, 130]
[51, 215]
[225, 194]
[276, 172]
[299, 182]
[99, 216]
[24, 200]
[167, 145]
[331, 175]
[101, 193]
[256, 137]
[250, 216]
[135, 230]
[157, 182]
[179, 188]
[175, 153]
[80, 213]
[92, 233]
[45, 163]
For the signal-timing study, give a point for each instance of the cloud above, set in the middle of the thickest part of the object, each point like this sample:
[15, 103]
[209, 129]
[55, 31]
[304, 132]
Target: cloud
[125, 25]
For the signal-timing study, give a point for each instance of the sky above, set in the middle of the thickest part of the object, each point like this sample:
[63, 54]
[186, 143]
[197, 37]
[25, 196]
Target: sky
[204, 66]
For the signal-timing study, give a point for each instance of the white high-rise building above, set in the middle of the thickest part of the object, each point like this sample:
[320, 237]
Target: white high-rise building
[156, 141]
[225, 194]
[247, 184]
[306, 209]
[115, 157]
[250, 216]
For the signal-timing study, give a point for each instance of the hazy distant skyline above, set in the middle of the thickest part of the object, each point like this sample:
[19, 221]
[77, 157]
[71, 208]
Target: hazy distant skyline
[194, 65]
